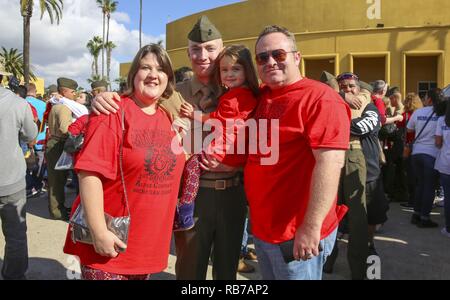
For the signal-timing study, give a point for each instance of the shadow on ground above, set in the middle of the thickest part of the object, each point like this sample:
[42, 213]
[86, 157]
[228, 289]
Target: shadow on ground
[44, 269]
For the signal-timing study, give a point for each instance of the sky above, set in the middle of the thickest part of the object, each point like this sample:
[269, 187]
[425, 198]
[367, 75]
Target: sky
[60, 50]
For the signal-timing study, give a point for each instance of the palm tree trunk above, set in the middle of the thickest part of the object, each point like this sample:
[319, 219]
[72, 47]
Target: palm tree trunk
[108, 51]
[108, 62]
[96, 65]
[26, 49]
[103, 48]
[140, 24]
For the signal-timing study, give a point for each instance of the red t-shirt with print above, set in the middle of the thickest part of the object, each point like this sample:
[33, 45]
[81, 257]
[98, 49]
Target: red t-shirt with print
[152, 174]
[311, 116]
[379, 103]
[235, 106]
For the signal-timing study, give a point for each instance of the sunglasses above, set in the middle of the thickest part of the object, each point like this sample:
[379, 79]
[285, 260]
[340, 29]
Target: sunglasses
[347, 75]
[279, 55]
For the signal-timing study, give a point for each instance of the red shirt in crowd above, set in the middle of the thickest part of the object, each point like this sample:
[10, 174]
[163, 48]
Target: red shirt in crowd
[79, 126]
[379, 103]
[152, 174]
[34, 112]
[409, 135]
[311, 116]
[76, 128]
[236, 104]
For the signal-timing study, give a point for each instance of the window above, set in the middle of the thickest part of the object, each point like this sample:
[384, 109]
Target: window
[424, 87]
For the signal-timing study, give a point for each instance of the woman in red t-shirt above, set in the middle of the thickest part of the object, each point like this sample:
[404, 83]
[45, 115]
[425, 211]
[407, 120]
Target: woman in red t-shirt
[152, 171]
[235, 73]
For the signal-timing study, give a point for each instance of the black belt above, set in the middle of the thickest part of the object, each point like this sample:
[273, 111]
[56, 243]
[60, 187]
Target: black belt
[220, 184]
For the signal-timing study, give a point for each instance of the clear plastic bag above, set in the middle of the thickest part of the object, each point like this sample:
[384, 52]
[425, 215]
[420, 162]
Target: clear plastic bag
[65, 162]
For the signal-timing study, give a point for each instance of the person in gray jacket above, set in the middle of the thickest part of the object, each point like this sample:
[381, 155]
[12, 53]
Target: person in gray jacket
[16, 122]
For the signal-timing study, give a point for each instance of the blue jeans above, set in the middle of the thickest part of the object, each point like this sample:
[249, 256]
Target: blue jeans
[426, 175]
[273, 267]
[445, 182]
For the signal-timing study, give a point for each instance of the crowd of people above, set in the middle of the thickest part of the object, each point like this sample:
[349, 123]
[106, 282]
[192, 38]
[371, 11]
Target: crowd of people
[345, 148]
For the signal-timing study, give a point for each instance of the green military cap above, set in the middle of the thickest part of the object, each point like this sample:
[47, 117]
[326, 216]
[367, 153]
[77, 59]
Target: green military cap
[52, 89]
[67, 83]
[365, 86]
[98, 84]
[204, 31]
[392, 91]
[327, 77]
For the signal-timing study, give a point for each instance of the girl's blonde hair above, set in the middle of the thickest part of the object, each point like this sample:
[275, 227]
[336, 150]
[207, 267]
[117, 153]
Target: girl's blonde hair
[412, 102]
[243, 56]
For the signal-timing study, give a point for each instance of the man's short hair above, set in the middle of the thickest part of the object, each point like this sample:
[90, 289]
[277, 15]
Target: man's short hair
[21, 91]
[378, 86]
[31, 89]
[275, 29]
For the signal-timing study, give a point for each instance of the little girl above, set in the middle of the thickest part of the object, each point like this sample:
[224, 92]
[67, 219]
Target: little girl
[235, 73]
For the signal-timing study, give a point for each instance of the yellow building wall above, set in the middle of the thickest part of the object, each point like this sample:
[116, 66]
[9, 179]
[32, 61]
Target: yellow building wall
[124, 68]
[334, 27]
[39, 82]
[40, 85]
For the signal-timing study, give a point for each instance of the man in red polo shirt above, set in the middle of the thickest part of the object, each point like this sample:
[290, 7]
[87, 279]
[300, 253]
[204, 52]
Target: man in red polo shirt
[295, 198]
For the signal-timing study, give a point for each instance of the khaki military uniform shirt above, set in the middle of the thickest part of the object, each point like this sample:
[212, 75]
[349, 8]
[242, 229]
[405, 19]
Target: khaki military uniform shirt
[59, 121]
[193, 91]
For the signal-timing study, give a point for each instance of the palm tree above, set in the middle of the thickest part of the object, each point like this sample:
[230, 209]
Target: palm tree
[112, 7]
[140, 24]
[53, 8]
[95, 45]
[12, 61]
[93, 79]
[101, 5]
[108, 7]
[109, 48]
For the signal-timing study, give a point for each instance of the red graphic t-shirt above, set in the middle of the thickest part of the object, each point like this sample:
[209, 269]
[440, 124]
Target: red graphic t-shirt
[311, 116]
[379, 103]
[235, 105]
[152, 174]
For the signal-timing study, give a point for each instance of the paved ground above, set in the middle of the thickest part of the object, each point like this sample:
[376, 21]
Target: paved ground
[406, 252]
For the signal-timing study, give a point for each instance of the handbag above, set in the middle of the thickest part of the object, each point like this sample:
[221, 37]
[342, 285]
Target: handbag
[408, 148]
[65, 162]
[117, 225]
[382, 156]
[73, 143]
[388, 132]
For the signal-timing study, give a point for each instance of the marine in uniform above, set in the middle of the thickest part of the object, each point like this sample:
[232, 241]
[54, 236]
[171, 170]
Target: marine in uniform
[220, 207]
[59, 119]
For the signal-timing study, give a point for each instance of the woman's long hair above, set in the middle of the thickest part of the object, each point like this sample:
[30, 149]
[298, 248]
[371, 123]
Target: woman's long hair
[447, 112]
[412, 103]
[437, 99]
[164, 62]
